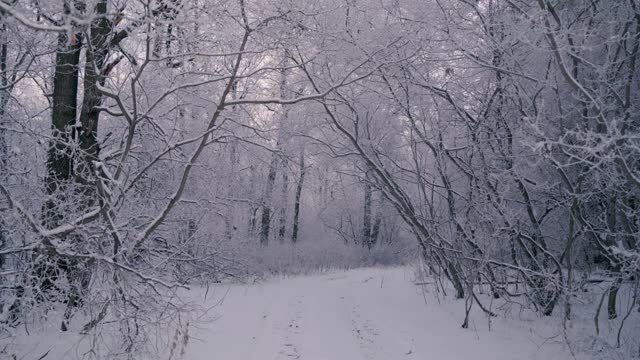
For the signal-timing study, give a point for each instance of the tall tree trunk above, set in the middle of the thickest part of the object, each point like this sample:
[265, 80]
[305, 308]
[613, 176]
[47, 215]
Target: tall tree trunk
[4, 148]
[79, 272]
[283, 203]
[375, 230]
[611, 213]
[253, 210]
[63, 119]
[4, 97]
[366, 221]
[273, 168]
[93, 77]
[229, 217]
[60, 164]
[265, 221]
[296, 206]
[229, 220]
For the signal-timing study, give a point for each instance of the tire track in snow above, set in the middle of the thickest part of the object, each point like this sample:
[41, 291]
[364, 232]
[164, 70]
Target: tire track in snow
[289, 348]
[373, 337]
[366, 335]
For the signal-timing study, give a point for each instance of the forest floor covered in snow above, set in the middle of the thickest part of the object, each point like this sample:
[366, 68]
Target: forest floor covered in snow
[365, 314]
[361, 314]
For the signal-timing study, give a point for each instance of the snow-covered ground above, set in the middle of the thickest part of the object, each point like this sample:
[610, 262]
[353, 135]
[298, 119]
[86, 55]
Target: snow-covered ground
[360, 314]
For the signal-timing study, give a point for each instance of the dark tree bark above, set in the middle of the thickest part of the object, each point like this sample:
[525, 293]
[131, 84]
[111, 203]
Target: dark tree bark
[63, 119]
[282, 221]
[63, 167]
[611, 214]
[265, 221]
[60, 162]
[366, 220]
[253, 210]
[375, 230]
[296, 206]
[229, 217]
[96, 56]
[79, 272]
[4, 150]
[4, 97]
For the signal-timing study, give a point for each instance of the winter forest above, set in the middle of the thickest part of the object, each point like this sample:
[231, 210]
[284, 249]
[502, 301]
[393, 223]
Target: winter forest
[321, 180]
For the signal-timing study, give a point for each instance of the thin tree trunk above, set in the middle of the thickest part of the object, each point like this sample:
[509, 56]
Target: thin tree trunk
[569, 261]
[296, 206]
[253, 210]
[611, 241]
[4, 96]
[366, 221]
[613, 296]
[375, 230]
[273, 170]
[229, 218]
[283, 203]
[265, 222]
[454, 273]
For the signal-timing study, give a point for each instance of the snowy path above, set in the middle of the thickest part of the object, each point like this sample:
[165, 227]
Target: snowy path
[368, 314]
